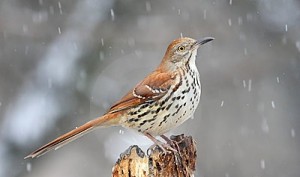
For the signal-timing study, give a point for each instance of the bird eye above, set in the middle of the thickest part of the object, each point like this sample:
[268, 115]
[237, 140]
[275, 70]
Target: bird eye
[181, 48]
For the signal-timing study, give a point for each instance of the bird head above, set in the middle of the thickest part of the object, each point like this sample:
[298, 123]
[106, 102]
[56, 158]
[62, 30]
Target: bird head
[183, 51]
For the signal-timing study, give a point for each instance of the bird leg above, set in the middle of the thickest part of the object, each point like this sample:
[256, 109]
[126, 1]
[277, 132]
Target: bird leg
[161, 145]
[172, 143]
[167, 139]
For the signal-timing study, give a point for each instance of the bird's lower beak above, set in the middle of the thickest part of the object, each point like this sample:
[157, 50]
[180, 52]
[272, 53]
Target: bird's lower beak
[205, 40]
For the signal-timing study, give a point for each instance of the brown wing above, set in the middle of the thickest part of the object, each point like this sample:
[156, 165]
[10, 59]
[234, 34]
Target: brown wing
[153, 87]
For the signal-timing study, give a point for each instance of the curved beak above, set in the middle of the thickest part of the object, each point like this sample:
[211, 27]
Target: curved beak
[205, 40]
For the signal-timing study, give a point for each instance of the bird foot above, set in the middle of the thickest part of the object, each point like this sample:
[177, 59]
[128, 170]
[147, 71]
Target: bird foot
[173, 144]
[163, 146]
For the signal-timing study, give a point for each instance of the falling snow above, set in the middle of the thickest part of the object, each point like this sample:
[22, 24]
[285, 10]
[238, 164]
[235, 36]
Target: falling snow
[264, 126]
[286, 27]
[28, 167]
[293, 133]
[240, 20]
[102, 41]
[59, 7]
[148, 6]
[262, 164]
[244, 84]
[121, 131]
[138, 53]
[229, 22]
[112, 14]
[298, 45]
[179, 12]
[277, 79]
[273, 104]
[59, 30]
[230, 2]
[222, 103]
[249, 85]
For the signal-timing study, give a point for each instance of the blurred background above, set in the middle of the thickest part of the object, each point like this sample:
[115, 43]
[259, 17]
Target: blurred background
[65, 62]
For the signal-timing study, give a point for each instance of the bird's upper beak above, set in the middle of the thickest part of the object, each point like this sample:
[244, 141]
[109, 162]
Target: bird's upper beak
[201, 42]
[205, 40]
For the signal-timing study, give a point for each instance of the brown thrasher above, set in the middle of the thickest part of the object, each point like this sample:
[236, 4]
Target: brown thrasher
[162, 101]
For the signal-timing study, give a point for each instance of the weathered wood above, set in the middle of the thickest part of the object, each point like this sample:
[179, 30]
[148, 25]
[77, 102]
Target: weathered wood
[135, 163]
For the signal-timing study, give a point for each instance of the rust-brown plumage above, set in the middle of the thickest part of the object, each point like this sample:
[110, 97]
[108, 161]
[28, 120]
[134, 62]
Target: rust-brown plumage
[151, 107]
[140, 93]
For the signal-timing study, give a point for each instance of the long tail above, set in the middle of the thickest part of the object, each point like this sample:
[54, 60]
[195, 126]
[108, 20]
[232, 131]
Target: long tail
[106, 120]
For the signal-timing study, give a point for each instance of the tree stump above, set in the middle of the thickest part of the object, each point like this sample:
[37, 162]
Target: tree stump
[135, 163]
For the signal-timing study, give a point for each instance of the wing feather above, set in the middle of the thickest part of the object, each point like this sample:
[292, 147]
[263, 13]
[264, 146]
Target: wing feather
[153, 87]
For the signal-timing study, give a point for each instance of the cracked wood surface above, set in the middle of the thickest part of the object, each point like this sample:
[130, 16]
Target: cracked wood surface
[135, 163]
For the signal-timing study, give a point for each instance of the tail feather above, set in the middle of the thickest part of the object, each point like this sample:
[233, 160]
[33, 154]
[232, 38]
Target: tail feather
[71, 136]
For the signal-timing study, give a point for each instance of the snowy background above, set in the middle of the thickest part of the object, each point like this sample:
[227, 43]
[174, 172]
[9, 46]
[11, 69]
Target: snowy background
[63, 63]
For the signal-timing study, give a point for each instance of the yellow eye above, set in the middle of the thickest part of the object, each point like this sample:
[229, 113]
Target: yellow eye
[181, 48]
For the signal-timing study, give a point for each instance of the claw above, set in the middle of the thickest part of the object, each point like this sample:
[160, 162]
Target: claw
[173, 144]
[163, 146]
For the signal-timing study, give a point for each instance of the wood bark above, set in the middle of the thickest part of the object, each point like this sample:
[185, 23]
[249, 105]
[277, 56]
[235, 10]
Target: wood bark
[135, 163]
